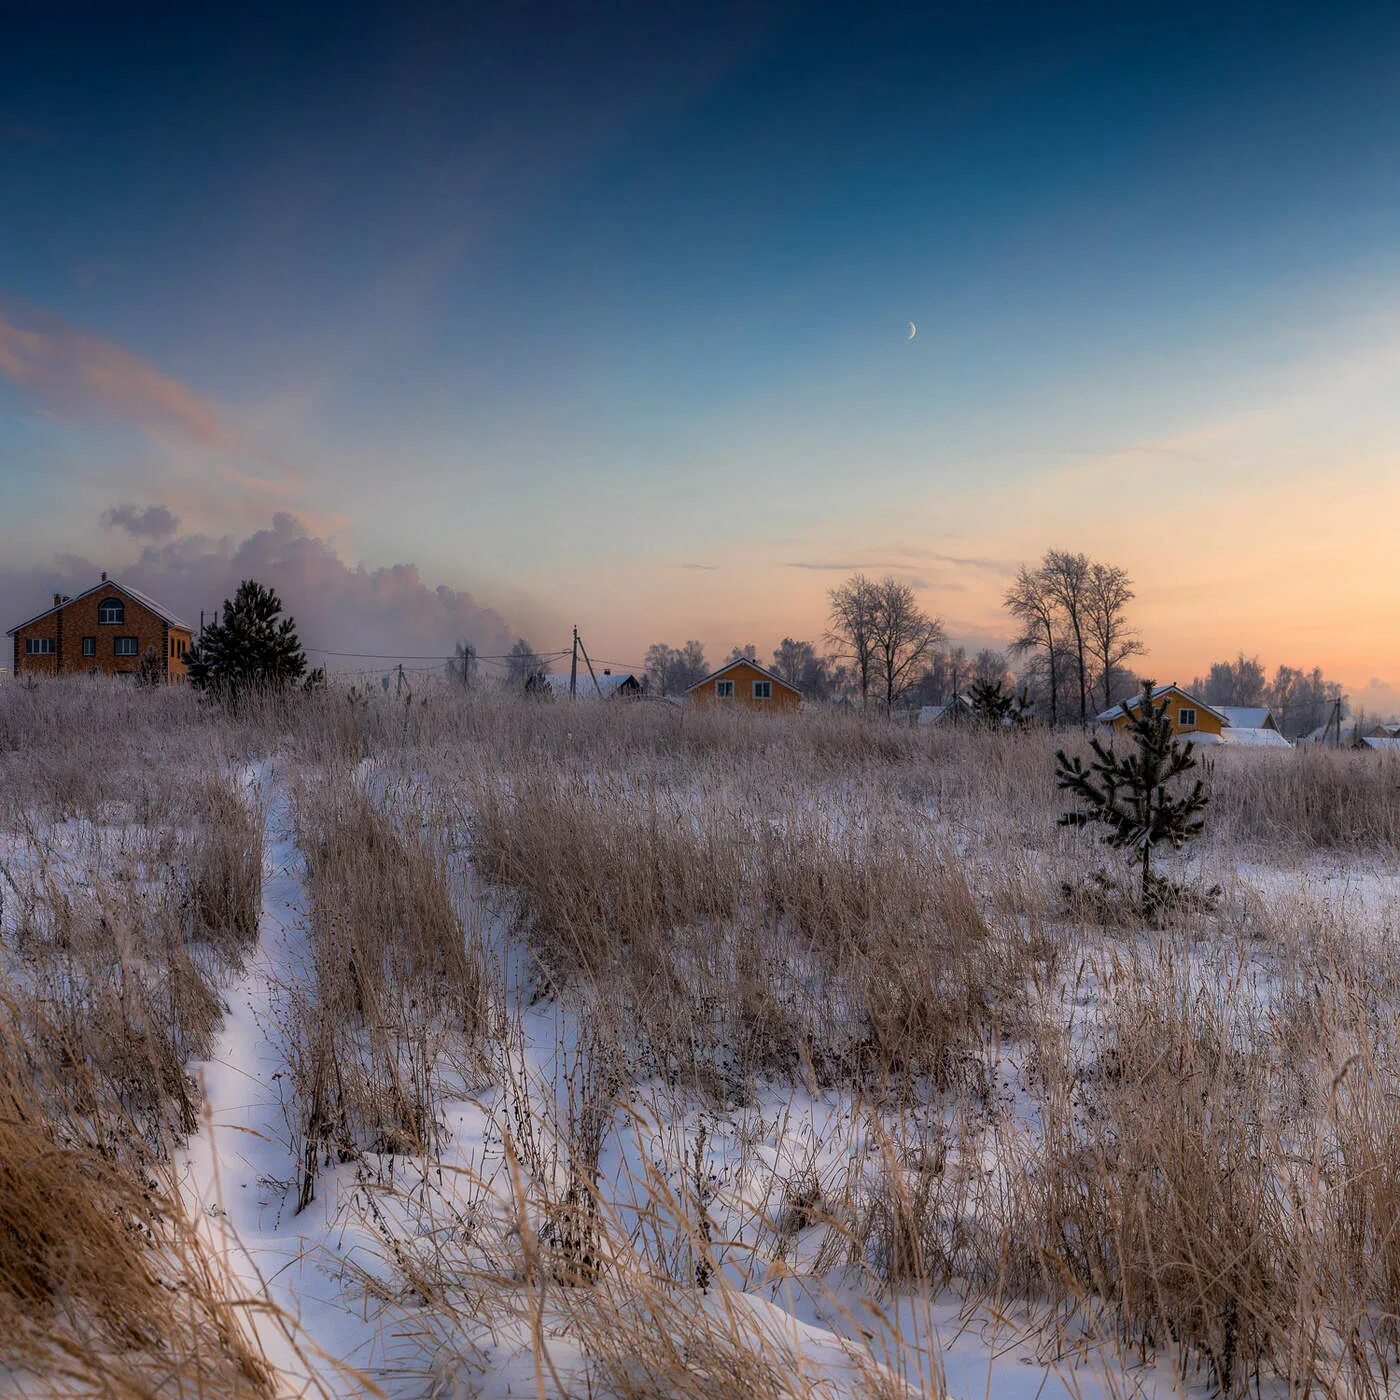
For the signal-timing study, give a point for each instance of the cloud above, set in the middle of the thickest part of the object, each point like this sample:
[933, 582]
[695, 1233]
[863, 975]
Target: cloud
[995, 566]
[338, 606]
[702, 568]
[1378, 698]
[808, 564]
[82, 375]
[151, 523]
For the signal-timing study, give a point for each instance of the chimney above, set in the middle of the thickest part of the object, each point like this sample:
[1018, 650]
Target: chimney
[606, 672]
[57, 599]
[104, 575]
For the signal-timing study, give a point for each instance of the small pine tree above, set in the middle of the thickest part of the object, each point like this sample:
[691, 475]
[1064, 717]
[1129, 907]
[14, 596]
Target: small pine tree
[993, 705]
[149, 672]
[1131, 795]
[253, 647]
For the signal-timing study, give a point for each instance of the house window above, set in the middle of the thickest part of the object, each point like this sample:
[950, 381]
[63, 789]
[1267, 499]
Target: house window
[1186, 719]
[763, 690]
[89, 646]
[724, 690]
[125, 646]
[111, 612]
[38, 646]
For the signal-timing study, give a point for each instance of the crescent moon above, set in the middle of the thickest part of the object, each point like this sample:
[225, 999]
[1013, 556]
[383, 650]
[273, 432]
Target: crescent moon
[913, 331]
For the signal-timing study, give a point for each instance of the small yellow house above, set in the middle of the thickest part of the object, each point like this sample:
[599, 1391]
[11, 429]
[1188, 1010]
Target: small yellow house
[747, 686]
[1188, 715]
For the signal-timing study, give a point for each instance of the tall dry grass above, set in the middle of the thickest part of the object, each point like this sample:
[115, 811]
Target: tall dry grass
[105, 1288]
[1181, 1139]
[397, 981]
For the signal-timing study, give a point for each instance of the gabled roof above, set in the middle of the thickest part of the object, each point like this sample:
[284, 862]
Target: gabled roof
[109, 585]
[609, 683]
[1246, 716]
[1386, 745]
[744, 661]
[1124, 706]
[934, 714]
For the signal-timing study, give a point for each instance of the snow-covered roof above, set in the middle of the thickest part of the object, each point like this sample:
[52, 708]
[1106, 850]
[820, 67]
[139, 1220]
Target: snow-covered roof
[109, 585]
[1246, 716]
[1124, 706]
[1385, 745]
[933, 714]
[1245, 737]
[745, 661]
[609, 683]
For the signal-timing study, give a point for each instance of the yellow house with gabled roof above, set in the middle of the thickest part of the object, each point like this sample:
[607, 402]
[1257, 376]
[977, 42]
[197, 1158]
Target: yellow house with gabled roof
[1188, 715]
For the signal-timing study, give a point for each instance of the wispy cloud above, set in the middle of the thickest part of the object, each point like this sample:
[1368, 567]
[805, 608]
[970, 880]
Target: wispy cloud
[149, 522]
[702, 568]
[82, 375]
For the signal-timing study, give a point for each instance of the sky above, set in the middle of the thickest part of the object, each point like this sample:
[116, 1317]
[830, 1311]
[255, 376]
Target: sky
[476, 322]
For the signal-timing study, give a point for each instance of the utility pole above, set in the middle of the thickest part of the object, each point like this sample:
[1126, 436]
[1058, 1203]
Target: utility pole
[399, 684]
[578, 642]
[573, 667]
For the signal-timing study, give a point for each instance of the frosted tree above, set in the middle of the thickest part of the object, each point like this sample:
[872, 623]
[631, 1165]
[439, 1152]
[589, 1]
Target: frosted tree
[1133, 794]
[251, 647]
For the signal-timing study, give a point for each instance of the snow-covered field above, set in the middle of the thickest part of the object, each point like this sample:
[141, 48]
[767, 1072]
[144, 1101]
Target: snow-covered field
[475, 1047]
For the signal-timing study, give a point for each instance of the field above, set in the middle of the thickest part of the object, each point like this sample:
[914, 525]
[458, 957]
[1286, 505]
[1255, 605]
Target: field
[467, 1045]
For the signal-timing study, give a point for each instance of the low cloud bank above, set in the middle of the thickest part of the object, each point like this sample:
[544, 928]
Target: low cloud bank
[339, 607]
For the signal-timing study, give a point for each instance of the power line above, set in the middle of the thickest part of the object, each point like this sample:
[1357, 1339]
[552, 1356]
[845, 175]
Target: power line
[404, 656]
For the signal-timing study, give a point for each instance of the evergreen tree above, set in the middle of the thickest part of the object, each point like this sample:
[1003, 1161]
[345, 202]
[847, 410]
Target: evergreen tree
[994, 705]
[253, 647]
[150, 672]
[1131, 794]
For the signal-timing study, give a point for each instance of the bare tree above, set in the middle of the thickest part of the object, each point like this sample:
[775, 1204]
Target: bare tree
[852, 618]
[990, 669]
[524, 668]
[1238, 682]
[1108, 591]
[902, 636]
[799, 664]
[1032, 602]
[744, 653]
[1067, 581]
[672, 670]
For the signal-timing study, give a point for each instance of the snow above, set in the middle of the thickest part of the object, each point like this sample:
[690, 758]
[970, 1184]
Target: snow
[1246, 738]
[1245, 716]
[328, 1332]
[238, 1173]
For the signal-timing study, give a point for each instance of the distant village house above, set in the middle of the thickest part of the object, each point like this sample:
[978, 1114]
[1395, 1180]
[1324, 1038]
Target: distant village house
[104, 631]
[745, 685]
[1234, 726]
[622, 686]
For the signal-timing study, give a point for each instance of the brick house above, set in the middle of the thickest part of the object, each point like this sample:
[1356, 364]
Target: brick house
[103, 631]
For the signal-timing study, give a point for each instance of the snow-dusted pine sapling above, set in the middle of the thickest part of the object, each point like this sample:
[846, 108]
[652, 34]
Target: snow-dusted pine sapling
[1133, 794]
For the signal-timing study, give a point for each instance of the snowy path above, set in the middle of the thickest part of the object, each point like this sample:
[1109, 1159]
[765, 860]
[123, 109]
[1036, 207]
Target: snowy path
[239, 1170]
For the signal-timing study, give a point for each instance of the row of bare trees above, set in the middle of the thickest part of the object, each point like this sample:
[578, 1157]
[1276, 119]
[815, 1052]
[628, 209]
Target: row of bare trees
[1072, 615]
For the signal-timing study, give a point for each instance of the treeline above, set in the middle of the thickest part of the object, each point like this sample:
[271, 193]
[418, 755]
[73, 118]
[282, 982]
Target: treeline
[1300, 700]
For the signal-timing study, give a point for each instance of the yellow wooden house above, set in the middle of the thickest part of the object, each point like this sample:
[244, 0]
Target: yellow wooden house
[1188, 715]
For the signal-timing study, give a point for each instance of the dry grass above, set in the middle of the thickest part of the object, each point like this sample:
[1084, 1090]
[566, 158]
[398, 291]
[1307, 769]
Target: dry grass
[396, 985]
[1183, 1140]
[104, 1289]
